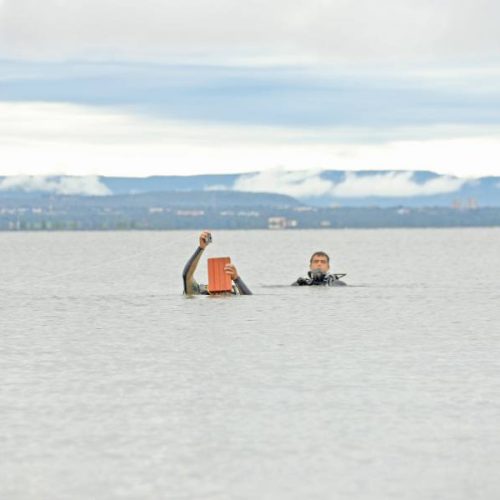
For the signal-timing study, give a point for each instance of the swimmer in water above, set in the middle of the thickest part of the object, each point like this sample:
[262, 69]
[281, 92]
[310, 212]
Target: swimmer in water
[191, 287]
[319, 275]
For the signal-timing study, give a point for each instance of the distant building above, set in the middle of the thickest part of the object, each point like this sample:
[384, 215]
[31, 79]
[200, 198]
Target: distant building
[281, 223]
[305, 209]
[469, 204]
[248, 213]
[472, 204]
[190, 213]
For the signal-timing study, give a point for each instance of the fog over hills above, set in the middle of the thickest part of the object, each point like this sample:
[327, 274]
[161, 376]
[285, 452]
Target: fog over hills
[312, 187]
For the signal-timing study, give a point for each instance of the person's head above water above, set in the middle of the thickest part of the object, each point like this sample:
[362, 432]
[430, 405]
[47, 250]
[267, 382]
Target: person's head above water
[319, 272]
[320, 261]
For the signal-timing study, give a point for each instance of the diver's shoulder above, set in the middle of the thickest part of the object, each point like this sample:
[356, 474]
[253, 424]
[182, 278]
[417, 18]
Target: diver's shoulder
[334, 279]
[338, 283]
[300, 282]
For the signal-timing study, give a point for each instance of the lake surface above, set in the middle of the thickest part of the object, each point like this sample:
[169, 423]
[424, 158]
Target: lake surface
[114, 385]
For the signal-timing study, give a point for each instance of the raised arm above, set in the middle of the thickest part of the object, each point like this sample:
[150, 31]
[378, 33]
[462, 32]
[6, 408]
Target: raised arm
[189, 269]
[192, 264]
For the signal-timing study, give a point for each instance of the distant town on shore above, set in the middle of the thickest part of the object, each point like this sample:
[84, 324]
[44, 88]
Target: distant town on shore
[161, 203]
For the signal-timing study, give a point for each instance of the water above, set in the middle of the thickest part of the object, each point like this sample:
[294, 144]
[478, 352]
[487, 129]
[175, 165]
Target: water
[116, 386]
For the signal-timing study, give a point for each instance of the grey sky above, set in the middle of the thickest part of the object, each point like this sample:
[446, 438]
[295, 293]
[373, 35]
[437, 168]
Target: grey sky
[401, 31]
[223, 86]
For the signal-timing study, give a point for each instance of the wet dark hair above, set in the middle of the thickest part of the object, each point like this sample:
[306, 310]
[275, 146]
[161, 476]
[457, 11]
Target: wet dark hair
[319, 254]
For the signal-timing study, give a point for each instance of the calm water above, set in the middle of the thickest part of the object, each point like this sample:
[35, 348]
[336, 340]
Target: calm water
[113, 385]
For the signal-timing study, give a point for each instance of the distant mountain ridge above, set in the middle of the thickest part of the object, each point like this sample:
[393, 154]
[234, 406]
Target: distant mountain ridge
[214, 200]
[381, 188]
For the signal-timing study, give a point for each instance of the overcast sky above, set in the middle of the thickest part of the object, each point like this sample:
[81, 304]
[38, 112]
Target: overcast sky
[121, 87]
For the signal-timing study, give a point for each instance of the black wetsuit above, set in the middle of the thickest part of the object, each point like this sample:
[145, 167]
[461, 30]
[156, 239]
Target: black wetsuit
[191, 287]
[324, 280]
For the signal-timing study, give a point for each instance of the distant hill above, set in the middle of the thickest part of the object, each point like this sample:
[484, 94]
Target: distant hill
[485, 192]
[326, 188]
[222, 209]
[214, 200]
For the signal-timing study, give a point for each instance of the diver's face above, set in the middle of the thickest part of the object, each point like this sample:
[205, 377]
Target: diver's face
[320, 262]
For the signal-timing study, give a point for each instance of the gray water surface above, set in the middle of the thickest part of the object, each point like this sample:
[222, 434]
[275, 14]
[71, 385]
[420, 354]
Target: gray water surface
[114, 385]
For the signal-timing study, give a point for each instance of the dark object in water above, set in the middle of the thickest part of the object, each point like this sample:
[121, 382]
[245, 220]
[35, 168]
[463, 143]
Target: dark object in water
[316, 277]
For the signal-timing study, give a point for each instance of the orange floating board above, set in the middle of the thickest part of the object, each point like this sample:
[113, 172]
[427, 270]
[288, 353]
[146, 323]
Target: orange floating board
[218, 280]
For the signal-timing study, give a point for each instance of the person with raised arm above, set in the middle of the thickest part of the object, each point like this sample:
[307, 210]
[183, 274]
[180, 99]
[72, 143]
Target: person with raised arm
[191, 286]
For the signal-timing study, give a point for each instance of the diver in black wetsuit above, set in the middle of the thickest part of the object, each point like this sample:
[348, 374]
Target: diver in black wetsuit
[318, 274]
[191, 287]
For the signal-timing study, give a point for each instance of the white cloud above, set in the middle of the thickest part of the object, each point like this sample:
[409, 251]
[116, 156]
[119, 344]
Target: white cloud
[51, 139]
[393, 184]
[298, 184]
[310, 184]
[216, 187]
[89, 185]
[313, 30]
